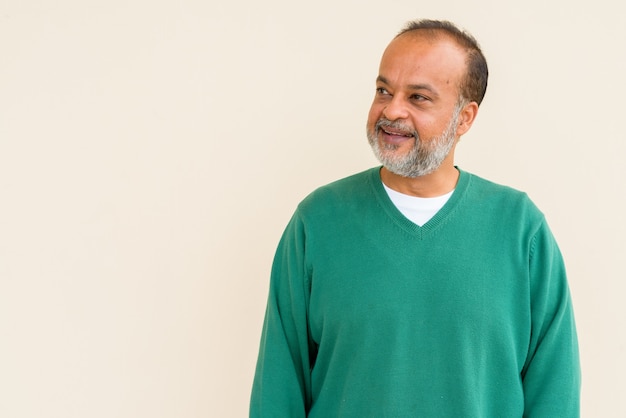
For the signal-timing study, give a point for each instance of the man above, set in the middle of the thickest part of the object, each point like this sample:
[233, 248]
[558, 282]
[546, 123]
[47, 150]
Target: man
[417, 289]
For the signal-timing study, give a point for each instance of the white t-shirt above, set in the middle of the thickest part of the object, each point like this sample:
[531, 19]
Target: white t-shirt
[418, 210]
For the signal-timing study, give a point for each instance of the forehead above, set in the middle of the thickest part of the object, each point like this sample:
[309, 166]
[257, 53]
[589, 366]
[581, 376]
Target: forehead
[414, 59]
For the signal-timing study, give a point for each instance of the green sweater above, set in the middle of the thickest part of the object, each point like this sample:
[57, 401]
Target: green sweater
[370, 315]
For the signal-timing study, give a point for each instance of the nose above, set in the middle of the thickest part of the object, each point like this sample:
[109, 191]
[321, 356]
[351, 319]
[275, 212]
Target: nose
[395, 109]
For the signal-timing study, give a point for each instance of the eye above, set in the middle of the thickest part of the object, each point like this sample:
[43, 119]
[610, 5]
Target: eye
[418, 98]
[381, 91]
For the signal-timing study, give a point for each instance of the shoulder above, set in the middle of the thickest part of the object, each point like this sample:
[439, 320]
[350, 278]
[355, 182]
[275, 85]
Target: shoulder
[341, 193]
[489, 188]
[506, 200]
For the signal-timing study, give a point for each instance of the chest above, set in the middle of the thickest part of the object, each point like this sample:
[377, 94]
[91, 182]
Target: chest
[448, 289]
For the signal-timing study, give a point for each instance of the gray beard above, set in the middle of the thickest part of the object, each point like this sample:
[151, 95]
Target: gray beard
[424, 158]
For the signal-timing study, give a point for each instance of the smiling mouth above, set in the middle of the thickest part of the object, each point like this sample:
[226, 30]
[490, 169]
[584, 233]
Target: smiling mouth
[393, 132]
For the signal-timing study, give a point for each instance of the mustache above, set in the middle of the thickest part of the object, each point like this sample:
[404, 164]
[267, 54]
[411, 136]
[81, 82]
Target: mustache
[396, 126]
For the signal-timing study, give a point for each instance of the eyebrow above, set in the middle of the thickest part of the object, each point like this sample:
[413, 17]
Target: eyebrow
[427, 87]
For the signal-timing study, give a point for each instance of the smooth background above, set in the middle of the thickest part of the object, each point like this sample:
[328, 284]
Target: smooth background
[151, 153]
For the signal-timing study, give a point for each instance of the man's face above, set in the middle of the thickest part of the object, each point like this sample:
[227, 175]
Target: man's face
[413, 121]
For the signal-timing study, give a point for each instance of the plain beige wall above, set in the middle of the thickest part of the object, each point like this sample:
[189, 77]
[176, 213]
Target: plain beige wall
[151, 153]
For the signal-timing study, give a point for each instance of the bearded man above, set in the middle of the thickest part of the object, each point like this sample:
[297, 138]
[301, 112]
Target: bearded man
[417, 289]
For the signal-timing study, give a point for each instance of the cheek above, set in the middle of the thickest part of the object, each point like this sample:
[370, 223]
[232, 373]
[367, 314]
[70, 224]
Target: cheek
[373, 116]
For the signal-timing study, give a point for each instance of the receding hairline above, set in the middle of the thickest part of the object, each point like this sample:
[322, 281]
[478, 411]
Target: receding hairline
[440, 28]
[475, 84]
[443, 39]
[433, 35]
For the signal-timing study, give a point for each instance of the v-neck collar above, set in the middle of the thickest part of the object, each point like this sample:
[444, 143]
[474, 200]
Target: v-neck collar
[436, 221]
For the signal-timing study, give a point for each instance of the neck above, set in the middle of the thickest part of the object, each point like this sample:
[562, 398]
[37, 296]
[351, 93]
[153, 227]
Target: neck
[441, 181]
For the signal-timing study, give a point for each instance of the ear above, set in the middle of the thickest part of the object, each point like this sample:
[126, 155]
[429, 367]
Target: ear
[466, 118]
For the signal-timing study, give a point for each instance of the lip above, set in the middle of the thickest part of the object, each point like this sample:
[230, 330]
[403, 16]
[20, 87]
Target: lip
[394, 137]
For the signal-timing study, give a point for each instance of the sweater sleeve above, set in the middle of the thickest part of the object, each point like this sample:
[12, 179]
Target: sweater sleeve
[281, 386]
[551, 374]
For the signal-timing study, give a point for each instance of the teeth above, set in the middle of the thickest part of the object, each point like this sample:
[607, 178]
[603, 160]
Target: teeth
[396, 133]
